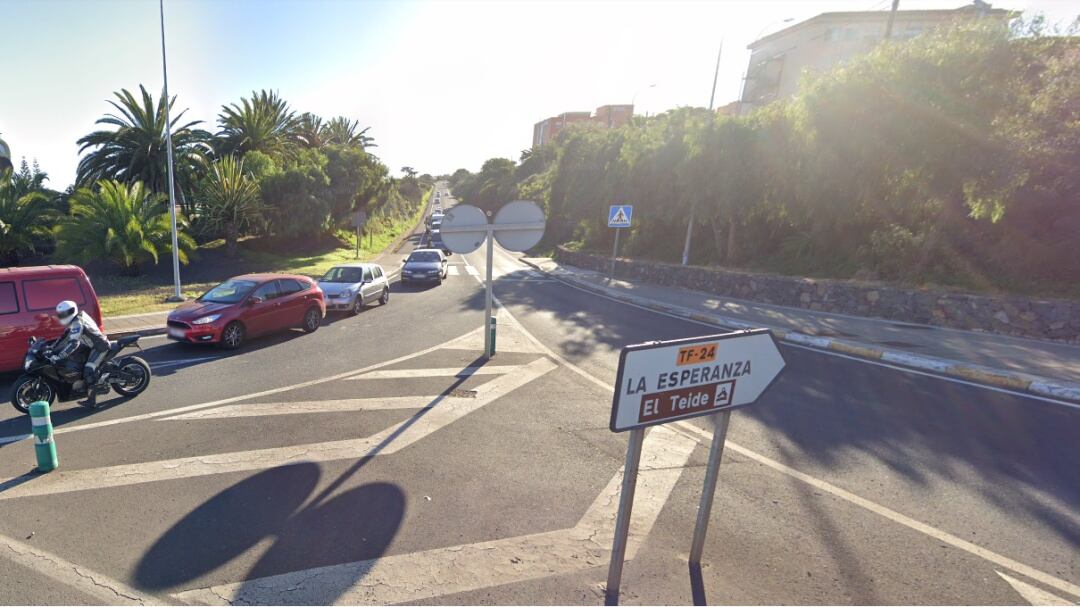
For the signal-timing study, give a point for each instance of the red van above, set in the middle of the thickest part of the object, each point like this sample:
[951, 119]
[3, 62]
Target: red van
[28, 298]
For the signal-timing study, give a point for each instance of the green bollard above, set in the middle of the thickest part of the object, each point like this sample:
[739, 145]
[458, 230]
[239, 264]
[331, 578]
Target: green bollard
[42, 428]
[492, 329]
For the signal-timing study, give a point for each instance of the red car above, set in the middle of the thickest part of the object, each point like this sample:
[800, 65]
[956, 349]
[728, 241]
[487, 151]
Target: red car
[247, 306]
[28, 298]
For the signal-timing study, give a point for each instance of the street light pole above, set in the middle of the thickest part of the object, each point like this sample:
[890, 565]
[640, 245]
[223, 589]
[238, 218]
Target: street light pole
[177, 296]
[693, 207]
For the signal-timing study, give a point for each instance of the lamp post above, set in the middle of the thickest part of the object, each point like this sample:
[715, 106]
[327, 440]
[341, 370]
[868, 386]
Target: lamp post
[177, 295]
[633, 100]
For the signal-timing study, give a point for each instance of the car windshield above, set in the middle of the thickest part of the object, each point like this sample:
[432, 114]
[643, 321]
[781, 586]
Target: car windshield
[344, 274]
[423, 256]
[229, 292]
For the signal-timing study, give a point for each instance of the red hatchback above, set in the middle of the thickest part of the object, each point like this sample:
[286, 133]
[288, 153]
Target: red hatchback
[247, 306]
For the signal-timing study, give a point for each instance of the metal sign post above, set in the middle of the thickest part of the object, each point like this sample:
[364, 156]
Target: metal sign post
[518, 226]
[619, 216]
[358, 221]
[664, 381]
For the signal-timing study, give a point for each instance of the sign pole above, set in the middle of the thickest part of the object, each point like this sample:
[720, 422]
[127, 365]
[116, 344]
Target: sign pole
[357, 242]
[716, 451]
[614, 253]
[489, 351]
[622, 522]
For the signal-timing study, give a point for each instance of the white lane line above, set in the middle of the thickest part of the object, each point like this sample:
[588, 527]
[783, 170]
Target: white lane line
[440, 372]
[409, 578]
[134, 418]
[471, 270]
[993, 557]
[438, 415]
[894, 516]
[76, 577]
[183, 361]
[866, 361]
[452, 271]
[1031, 594]
[313, 406]
[14, 439]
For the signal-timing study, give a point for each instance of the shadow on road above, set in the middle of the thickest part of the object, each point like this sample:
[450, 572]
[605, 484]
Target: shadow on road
[1017, 453]
[355, 525]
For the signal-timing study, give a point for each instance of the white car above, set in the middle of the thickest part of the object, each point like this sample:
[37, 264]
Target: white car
[351, 286]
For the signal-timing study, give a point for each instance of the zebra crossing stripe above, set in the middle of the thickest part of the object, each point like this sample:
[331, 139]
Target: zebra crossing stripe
[452, 271]
[472, 271]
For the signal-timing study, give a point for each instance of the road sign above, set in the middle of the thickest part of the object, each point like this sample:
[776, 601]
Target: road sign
[664, 381]
[519, 225]
[660, 382]
[619, 215]
[464, 228]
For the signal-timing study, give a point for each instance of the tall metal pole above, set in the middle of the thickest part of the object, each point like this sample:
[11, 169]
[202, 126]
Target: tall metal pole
[892, 17]
[693, 207]
[614, 253]
[177, 296]
[487, 295]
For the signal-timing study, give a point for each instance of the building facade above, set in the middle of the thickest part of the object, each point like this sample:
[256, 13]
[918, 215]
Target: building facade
[608, 116]
[777, 61]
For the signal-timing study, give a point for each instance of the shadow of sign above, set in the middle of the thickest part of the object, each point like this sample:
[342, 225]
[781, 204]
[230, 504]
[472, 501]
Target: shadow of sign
[354, 525]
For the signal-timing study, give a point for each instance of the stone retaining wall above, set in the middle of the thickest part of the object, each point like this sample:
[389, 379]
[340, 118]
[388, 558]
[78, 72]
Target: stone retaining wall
[1039, 319]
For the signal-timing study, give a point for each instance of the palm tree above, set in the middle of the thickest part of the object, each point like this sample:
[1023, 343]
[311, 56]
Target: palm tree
[24, 216]
[229, 200]
[135, 150]
[126, 224]
[342, 131]
[309, 131]
[263, 123]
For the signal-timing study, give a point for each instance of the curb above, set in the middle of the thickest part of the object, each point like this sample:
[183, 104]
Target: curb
[989, 376]
[142, 332]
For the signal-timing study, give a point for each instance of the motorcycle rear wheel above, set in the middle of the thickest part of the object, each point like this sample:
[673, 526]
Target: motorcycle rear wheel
[29, 389]
[137, 369]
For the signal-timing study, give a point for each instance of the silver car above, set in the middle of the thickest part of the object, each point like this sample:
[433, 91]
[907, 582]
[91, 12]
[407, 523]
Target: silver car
[352, 286]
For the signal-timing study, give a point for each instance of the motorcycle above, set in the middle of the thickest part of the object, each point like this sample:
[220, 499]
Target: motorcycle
[45, 380]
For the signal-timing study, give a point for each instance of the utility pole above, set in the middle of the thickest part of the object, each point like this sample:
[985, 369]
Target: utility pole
[177, 295]
[892, 17]
[693, 207]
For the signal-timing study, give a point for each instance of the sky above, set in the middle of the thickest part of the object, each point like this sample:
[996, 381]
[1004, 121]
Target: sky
[443, 84]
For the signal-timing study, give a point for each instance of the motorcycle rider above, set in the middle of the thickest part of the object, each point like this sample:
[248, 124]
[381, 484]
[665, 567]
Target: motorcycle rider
[81, 331]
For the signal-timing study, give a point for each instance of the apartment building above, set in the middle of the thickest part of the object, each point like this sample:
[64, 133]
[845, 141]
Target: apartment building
[609, 116]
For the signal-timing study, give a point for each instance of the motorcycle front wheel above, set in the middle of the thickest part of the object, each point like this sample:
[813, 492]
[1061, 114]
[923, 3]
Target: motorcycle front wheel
[29, 389]
[132, 377]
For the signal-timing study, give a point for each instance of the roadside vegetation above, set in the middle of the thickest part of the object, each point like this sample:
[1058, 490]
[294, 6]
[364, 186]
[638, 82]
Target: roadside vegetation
[270, 190]
[948, 160]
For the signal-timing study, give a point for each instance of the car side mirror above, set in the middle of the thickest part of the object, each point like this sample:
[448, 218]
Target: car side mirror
[255, 300]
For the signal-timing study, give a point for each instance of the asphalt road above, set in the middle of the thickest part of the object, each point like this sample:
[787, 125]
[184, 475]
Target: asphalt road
[382, 460]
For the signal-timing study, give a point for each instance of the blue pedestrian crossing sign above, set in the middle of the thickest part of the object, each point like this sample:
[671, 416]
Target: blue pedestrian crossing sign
[619, 216]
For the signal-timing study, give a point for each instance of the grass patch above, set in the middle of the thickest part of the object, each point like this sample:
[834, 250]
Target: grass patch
[120, 295]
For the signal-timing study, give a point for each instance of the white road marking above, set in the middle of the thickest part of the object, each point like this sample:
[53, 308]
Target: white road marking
[168, 412]
[14, 439]
[439, 372]
[993, 557]
[1031, 594]
[471, 270]
[408, 578]
[311, 406]
[183, 361]
[894, 516]
[452, 271]
[438, 414]
[865, 361]
[76, 577]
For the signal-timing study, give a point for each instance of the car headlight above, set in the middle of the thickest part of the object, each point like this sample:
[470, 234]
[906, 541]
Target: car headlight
[206, 319]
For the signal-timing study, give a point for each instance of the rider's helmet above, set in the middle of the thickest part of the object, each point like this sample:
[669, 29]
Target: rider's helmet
[66, 311]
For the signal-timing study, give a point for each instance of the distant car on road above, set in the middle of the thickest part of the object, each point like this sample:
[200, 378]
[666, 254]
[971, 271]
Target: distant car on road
[248, 306]
[352, 286]
[424, 265]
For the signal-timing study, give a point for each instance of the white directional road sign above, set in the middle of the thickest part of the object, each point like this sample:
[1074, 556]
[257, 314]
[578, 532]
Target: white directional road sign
[519, 225]
[464, 228]
[619, 215]
[664, 381]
